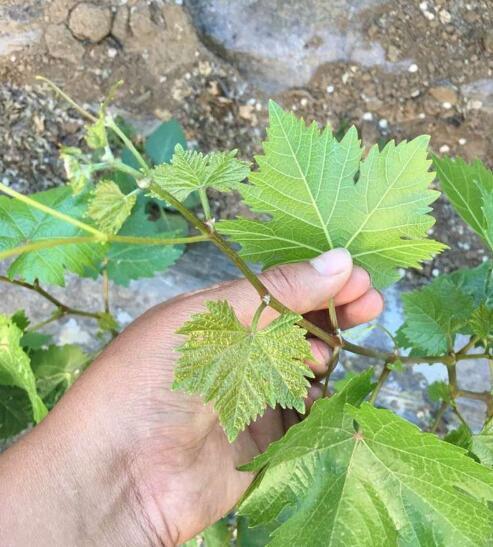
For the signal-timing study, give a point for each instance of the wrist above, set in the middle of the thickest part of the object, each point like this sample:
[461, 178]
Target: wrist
[69, 482]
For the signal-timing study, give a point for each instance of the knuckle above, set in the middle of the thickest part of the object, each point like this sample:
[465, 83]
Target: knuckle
[279, 282]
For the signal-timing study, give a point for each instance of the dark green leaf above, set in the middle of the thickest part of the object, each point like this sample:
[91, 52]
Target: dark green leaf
[160, 144]
[15, 411]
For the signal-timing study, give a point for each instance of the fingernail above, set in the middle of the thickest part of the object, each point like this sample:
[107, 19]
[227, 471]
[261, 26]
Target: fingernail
[332, 262]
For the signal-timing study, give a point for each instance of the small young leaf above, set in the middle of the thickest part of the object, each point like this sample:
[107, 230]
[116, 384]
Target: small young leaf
[218, 535]
[78, 174]
[15, 411]
[363, 476]
[476, 282]
[240, 370]
[161, 143]
[56, 369]
[190, 170]
[15, 368]
[20, 320]
[22, 224]
[434, 315]
[468, 186]
[307, 183]
[96, 133]
[109, 207]
[439, 391]
[481, 322]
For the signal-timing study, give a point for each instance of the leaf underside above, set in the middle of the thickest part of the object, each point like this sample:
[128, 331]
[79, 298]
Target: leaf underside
[242, 371]
[306, 183]
[365, 477]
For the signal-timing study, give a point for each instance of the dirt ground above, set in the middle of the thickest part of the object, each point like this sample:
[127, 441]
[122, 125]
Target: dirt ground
[420, 67]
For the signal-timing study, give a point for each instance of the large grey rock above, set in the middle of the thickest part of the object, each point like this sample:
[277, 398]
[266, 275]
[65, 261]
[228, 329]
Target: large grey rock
[279, 44]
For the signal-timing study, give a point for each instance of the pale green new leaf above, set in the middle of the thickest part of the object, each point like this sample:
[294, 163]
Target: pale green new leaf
[109, 207]
[320, 195]
[434, 315]
[96, 136]
[242, 371]
[15, 368]
[469, 188]
[15, 411]
[56, 369]
[22, 225]
[439, 391]
[78, 173]
[366, 477]
[190, 170]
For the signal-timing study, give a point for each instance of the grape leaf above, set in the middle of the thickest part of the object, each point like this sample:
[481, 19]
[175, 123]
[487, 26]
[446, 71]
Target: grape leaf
[439, 391]
[22, 224]
[433, 316]
[364, 477]
[15, 411]
[15, 368]
[190, 170]
[476, 282]
[481, 322]
[469, 188]
[306, 183]
[56, 369]
[160, 144]
[96, 133]
[240, 370]
[109, 207]
[78, 173]
[128, 262]
[482, 444]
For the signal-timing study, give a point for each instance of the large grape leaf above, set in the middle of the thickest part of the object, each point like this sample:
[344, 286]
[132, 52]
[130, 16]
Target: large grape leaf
[15, 368]
[128, 262]
[22, 224]
[320, 195]
[242, 370]
[365, 477]
[469, 187]
[190, 170]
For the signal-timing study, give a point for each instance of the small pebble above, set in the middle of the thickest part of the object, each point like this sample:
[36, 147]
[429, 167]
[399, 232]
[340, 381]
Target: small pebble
[462, 141]
[413, 68]
[368, 116]
[444, 149]
[383, 123]
[330, 89]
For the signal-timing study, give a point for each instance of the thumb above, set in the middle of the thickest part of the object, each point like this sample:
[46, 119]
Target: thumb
[302, 287]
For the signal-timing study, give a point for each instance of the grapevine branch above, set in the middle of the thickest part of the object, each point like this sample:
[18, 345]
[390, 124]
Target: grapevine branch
[62, 308]
[207, 233]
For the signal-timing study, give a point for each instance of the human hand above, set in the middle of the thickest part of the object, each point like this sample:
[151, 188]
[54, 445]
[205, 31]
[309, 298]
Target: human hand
[124, 460]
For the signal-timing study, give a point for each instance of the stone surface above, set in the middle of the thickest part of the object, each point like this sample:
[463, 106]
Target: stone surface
[281, 43]
[62, 45]
[444, 94]
[89, 21]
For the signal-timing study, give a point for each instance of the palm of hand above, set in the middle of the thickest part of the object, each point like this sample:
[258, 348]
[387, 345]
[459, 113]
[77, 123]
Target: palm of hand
[182, 465]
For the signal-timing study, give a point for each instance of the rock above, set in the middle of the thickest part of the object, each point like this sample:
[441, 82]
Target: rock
[280, 44]
[444, 94]
[120, 24]
[62, 45]
[58, 10]
[479, 95]
[488, 41]
[90, 22]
